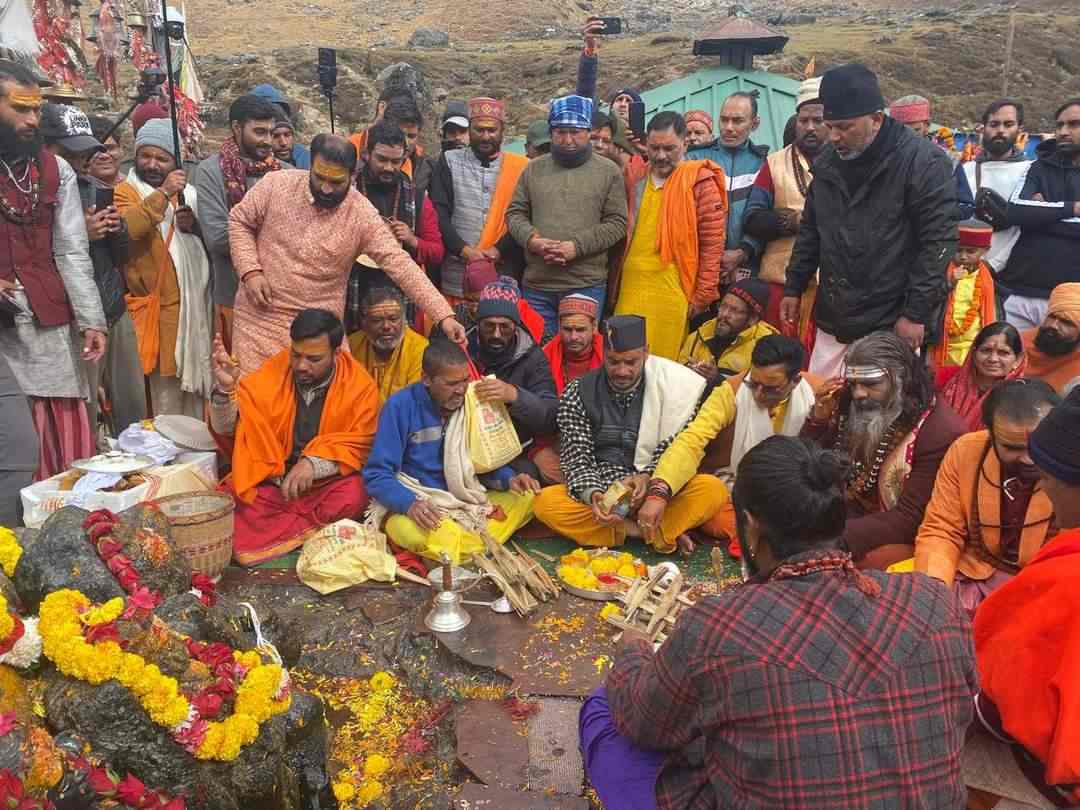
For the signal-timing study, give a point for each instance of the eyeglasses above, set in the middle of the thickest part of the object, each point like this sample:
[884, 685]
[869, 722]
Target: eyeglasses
[766, 390]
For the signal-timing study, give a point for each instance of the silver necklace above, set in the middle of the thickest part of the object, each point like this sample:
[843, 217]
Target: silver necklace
[25, 178]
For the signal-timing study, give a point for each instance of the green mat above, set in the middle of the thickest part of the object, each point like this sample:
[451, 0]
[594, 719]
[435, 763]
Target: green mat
[697, 567]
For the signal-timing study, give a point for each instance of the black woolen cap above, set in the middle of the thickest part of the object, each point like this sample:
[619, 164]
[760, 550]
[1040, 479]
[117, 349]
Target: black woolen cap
[849, 91]
[624, 333]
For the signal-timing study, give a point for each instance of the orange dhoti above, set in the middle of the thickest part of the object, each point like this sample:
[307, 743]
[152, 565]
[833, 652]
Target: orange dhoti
[695, 504]
[270, 526]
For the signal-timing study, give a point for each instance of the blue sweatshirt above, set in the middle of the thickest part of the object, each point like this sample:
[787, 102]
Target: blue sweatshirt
[741, 166]
[409, 439]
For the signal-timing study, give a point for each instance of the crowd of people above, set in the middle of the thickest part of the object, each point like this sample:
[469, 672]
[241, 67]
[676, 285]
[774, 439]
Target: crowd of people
[846, 360]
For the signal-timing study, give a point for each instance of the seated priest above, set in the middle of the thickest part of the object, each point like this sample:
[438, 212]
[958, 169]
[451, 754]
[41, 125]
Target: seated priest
[420, 476]
[1027, 634]
[385, 345]
[722, 347]
[1053, 350]
[614, 423]
[503, 348]
[812, 685]
[298, 430]
[885, 416]
[989, 516]
[773, 398]
[577, 348]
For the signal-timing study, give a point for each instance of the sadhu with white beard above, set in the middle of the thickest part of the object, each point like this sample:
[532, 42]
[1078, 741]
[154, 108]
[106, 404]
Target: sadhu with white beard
[884, 413]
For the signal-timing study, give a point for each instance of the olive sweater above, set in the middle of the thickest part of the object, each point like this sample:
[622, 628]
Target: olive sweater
[585, 205]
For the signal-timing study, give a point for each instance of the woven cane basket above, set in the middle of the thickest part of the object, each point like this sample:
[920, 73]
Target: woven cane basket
[202, 528]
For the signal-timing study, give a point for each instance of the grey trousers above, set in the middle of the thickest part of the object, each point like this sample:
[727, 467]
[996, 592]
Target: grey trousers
[120, 373]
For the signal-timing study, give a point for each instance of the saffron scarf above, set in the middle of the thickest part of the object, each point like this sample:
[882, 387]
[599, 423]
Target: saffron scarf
[267, 404]
[1027, 646]
[677, 236]
[556, 355]
[235, 168]
[495, 224]
[963, 394]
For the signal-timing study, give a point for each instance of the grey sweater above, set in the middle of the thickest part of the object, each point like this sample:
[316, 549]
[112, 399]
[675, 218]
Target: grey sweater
[213, 216]
[585, 205]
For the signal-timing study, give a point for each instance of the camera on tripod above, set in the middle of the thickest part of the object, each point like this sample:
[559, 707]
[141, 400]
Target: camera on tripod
[150, 80]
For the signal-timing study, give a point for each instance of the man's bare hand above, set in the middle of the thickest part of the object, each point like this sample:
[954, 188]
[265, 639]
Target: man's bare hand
[453, 330]
[496, 391]
[185, 219]
[539, 245]
[649, 516]
[827, 399]
[638, 485]
[100, 224]
[403, 233]
[425, 515]
[789, 309]
[471, 254]
[602, 517]
[523, 482]
[258, 290]
[94, 343]
[709, 371]
[175, 182]
[226, 369]
[593, 28]
[732, 260]
[560, 253]
[913, 334]
[299, 480]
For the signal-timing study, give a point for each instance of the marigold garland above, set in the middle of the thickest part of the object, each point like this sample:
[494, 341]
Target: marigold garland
[10, 551]
[261, 694]
[959, 329]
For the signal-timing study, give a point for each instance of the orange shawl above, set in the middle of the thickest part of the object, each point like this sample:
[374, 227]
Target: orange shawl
[1057, 371]
[677, 236]
[987, 310]
[267, 403]
[1027, 645]
[359, 140]
[556, 352]
[495, 224]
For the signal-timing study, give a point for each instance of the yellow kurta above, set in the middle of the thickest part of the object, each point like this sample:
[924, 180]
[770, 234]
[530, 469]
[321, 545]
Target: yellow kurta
[402, 369]
[650, 288]
[963, 296]
[735, 359]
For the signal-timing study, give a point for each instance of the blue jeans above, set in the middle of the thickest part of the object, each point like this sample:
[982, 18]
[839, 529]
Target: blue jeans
[547, 304]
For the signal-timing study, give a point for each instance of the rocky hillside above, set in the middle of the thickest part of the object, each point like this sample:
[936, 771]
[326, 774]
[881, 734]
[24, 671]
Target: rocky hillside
[951, 51]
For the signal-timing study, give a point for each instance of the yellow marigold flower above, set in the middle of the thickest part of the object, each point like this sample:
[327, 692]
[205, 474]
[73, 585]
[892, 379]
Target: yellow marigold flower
[376, 765]
[609, 610]
[370, 790]
[7, 623]
[382, 681]
[211, 745]
[604, 565]
[103, 614]
[10, 551]
[628, 571]
[343, 791]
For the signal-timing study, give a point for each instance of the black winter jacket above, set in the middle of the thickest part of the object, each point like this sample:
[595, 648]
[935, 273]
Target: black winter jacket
[526, 367]
[882, 249]
[1048, 250]
[108, 256]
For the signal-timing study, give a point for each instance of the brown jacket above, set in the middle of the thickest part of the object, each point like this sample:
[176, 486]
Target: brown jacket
[711, 202]
[146, 258]
[945, 543]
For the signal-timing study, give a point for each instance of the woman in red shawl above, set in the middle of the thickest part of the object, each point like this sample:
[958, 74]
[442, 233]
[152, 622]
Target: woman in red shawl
[996, 355]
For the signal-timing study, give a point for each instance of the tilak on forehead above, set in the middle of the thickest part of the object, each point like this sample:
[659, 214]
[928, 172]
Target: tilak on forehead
[329, 171]
[25, 98]
[385, 308]
[865, 373]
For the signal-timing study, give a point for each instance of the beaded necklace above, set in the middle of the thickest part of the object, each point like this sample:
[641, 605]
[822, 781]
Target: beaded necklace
[827, 561]
[801, 179]
[13, 212]
[863, 480]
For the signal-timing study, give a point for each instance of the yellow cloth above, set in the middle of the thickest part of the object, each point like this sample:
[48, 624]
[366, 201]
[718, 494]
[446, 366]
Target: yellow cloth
[736, 357]
[403, 368]
[903, 567]
[681, 461]
[518, 508]
[702, 497]
[651, 287]
[960, 345]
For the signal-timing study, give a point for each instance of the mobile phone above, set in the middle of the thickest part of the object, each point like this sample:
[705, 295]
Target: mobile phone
[637, 118]
[612, 25]
[103, 198]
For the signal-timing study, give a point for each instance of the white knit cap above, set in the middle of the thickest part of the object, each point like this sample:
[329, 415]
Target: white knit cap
[809, 90]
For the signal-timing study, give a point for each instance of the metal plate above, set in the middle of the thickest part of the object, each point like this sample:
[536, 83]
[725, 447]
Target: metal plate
[585, 593]
[115, 462]
[185, 432]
